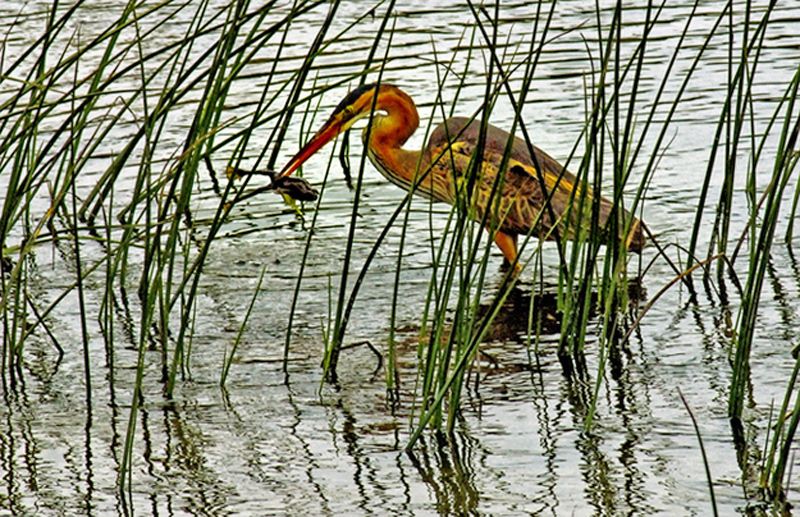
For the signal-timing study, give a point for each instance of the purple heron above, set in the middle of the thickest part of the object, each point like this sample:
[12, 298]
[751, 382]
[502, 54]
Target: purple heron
[439, 170]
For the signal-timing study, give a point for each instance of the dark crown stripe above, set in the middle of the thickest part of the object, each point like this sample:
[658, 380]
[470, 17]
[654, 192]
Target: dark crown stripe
[353, 96]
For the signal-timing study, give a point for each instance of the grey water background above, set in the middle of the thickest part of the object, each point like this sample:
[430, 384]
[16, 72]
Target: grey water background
[265, 446]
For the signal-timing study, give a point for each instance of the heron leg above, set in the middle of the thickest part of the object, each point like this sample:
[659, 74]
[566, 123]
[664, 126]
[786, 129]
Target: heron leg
[508, 245]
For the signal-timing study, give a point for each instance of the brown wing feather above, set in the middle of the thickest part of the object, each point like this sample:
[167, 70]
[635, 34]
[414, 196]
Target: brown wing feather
[522, 198]
[496, 141]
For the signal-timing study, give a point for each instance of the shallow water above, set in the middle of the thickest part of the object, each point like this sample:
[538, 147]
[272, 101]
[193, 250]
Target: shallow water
[268, 445]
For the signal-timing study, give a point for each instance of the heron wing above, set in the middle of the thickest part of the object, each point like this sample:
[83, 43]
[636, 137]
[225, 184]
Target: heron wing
[517, 201]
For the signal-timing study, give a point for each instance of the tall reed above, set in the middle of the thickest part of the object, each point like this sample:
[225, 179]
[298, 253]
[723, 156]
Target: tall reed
[147, 234]
[125, 212]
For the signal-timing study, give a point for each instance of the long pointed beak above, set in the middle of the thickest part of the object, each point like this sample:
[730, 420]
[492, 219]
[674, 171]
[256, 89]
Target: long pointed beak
[327, 133]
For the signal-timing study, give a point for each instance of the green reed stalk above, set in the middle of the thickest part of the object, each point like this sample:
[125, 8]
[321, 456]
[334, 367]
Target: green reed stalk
[263, 105]
[437, 296]
[392, 378]
[328, 335]
[229, 356]
[106, 314]
[152, 290]
[74, 141]
[733, 135]
[303, 262]
[343, 308]
[445, 363]
[17, 151]
[608, 284]
[189, 75]
[584, 254]
[433, 295]
[785, 162]
[709, 479]
[460, 327]
[192, 278]
[749, 231]
[46, 79]
[613, 291]
[789, 235]
[309, 115]
[181, 189]
[724, 115]
[774, 474]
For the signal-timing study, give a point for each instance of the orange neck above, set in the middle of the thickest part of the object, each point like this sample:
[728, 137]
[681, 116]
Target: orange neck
[389, 132]
[401, 120]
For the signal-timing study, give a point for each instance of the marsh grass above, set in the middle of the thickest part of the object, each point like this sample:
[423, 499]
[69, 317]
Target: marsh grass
[148, 239]
[703, 455]
[137, 254]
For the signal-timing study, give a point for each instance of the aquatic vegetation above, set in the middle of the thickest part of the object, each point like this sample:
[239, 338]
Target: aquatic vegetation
[132, 272]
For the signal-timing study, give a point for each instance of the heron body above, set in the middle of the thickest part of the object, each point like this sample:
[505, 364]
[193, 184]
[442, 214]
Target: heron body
[444, 170]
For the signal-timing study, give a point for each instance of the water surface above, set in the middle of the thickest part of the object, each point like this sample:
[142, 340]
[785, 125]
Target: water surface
[272, 444]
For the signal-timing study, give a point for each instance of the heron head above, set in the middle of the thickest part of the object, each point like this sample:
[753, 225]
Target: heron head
[356, 105]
